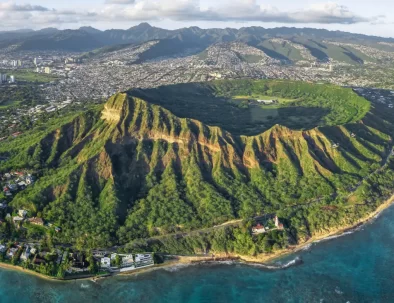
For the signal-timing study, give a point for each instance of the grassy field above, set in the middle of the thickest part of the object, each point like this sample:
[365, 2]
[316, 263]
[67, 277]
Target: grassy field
[264, 97]
[29, 76]
[9, 104]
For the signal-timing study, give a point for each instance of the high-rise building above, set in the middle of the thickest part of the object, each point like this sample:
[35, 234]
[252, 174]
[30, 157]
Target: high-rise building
[37, 61]
[12, 79]
[47, 70]
[3, 78]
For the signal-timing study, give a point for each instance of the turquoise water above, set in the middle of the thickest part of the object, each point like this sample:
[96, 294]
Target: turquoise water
[354, 268]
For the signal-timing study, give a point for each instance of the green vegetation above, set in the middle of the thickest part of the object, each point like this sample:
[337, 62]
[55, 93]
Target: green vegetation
[251, 58]
[12, 96]
[213, 104]
[134, 169]
[228, 239]
[280, 50]
[30, 76]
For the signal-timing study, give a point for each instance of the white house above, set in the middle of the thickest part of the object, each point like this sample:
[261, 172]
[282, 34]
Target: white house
[143, 258]
[26, 254]
[17, 219]
[22, 213]
[105, 262]
[258, 229]
[113, 256]
[127, 260]
[12, 252]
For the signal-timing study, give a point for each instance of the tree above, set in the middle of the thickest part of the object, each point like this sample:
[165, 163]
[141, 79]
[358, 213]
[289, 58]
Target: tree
[93, 267]
[118, 260]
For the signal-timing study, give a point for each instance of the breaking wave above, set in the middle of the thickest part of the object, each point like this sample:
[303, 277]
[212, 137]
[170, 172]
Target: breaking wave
[296, 261]
[176, 267]
[306, 247]
[84, 286]
[337, 236]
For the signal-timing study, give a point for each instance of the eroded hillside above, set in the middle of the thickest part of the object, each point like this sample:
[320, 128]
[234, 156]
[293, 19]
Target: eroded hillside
[134, 169]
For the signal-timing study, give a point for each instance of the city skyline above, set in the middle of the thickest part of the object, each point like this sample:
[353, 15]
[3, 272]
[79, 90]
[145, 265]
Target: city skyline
[349, 15]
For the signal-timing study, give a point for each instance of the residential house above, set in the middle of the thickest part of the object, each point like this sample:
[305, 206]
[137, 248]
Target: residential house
[36, 221]
[127, 260]
[258, 229]
[99, 254]
[113, 256]
[3, 248]
[12, 252]
[26, 254]
[78, 260]
[22, 213]
[22, 184]
[12, 187]
[17, 219]
[64, 257]
[105, 262]
[143, 259]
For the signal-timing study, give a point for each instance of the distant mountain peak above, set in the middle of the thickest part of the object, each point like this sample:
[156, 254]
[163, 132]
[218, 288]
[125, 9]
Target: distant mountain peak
[89, 29]
[142, 26]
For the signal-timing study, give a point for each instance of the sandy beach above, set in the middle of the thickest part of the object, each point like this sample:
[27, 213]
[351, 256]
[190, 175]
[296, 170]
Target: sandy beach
[28, 271]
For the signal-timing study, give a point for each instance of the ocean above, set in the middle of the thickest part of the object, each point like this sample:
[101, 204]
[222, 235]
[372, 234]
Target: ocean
[356, 267]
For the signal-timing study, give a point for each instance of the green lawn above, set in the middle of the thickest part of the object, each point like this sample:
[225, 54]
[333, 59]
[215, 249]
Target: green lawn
[29, 76]
[264, 97]
[9, 104]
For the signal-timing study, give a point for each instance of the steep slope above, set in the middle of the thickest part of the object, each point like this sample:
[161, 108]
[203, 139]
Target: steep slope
[134, 170]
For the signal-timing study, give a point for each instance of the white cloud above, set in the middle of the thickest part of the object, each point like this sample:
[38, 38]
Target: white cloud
[238, 10]
[11, 6]
[120, 1]
[176, 10]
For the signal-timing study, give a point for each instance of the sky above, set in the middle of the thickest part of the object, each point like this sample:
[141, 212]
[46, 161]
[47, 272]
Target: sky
[358, 16]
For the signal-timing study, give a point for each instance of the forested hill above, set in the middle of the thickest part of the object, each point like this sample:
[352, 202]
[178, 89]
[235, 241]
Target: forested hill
[133, 169]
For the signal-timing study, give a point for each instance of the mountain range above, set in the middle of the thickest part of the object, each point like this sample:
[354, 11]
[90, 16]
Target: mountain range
[175, 41]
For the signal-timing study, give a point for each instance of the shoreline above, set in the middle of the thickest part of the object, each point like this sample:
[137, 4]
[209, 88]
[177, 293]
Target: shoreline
[261, 259]
[321, 237]
[10, 267]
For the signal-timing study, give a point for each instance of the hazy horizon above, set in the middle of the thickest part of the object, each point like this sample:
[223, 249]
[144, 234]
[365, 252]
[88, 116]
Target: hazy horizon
[347, 15]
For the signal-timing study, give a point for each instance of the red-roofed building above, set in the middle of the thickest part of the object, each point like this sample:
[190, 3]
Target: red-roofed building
[258, 229]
